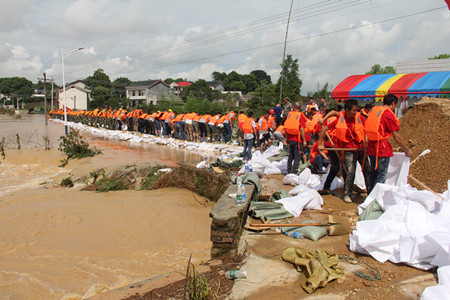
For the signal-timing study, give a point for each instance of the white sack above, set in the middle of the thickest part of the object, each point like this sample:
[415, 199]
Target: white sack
[308, 199]
[398, 169]
[291, 179]
[442, 290]
[273, 150]
[409, 231]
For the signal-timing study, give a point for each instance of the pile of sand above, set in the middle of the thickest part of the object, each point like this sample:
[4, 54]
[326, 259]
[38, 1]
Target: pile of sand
[426, 126]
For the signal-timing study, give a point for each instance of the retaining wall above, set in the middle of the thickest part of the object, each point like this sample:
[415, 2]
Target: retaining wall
[228, 221]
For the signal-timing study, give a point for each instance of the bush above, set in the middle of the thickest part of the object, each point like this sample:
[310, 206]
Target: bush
[73, 146]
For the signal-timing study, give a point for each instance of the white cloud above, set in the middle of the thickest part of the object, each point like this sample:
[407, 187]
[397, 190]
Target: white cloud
[143, 39]
[16, 60]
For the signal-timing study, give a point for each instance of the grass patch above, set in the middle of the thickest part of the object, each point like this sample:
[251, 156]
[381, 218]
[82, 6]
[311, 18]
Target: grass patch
[111, 184]
[66, 182]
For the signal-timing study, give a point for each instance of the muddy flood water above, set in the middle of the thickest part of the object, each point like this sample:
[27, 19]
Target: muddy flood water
[63, 243]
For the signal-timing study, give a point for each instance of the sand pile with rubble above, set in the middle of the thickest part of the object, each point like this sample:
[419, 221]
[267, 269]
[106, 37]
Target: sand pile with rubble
[426, 126]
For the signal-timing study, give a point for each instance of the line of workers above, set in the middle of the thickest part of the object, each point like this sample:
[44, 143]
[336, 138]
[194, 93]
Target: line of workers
[308, 135]
[260, 132]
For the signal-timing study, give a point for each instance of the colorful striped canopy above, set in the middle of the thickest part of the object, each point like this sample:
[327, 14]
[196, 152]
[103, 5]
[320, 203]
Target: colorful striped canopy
[369, 87]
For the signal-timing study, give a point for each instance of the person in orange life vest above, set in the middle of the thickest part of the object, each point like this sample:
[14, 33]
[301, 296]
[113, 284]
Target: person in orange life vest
[203, 128]
[313, 117]
[349, 133]
[168, 122]
[227, 122]
[249, 128]
[311, 105]
[294, 126]
[380, 125]
[264, 135]
[366, 110]
[195, 127]
[319, 159]
[241, 119]
[279, 134]
[212, 128]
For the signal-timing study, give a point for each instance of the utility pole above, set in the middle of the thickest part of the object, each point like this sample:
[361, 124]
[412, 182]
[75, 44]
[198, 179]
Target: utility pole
[45, 99]
[284, 52]
[52, 94]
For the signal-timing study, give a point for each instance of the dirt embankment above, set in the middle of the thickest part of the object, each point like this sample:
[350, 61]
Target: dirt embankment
[426, 126]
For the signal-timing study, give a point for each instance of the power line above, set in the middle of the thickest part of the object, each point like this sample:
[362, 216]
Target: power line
[277, 43]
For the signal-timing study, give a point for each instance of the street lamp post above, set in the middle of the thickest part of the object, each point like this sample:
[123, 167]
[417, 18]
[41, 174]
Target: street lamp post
[64, 83]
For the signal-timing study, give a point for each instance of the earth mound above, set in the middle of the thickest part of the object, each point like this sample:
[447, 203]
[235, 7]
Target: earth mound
[426, 126]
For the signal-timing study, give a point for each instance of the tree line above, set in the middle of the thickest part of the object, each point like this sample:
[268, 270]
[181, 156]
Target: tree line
[260, 93]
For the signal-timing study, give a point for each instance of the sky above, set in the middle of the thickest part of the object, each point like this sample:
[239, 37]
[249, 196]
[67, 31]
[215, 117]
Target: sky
[149, 39]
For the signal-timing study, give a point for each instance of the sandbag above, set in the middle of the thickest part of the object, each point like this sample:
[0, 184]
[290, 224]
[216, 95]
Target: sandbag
[280, 194]
[314, 233]
[317, 267]
[372, 212]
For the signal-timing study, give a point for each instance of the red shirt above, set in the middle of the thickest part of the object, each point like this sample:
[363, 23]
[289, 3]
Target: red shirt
[389, 123]
[349, 135]
[298, 138]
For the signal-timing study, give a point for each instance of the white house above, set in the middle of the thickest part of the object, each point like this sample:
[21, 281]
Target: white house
[77, 96]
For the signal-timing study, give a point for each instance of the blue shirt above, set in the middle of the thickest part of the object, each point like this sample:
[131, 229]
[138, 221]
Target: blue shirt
[277, 110]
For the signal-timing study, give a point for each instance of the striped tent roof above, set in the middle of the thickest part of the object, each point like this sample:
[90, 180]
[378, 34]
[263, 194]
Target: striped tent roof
[363, 87]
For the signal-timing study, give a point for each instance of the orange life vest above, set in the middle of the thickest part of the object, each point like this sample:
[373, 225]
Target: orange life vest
[247, 125]
[311, 127]
[342, 129]
[179, 118]
[241, 118]
[373, 128]
[221, 119]
[281, 129]
[292, 123]
[264, 124]
[272, 123]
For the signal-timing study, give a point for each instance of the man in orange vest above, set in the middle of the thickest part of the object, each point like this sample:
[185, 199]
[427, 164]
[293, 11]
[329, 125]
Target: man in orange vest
[380, 125]
[241, 119]
[227, 125]
[349, 132]
[294, 126]
[249, 129]
[264, 135]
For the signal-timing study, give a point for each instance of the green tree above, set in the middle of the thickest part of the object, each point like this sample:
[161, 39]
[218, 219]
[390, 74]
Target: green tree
[291, 79]
[261, 76]
[99, 78]
[250, 82]
[17, 87]
[100, 96]
[263, 98]
[321, 93]
[118, 87]
[377, 69]
[199, 89]
[219, 76]
[440, 56]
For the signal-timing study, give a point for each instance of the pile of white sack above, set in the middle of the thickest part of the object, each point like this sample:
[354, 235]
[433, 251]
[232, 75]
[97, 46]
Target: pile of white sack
[136, 138]
[414, 229]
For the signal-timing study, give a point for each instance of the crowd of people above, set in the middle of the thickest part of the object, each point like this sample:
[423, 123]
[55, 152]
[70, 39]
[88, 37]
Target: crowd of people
[338, 137]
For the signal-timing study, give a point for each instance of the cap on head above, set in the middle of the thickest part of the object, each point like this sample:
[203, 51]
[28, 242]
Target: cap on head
[271, 111]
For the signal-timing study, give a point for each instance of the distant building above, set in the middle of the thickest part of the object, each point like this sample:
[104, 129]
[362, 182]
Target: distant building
[216, 85]
[147, 92]
[177, 87]
[432, 65]
[77, 96]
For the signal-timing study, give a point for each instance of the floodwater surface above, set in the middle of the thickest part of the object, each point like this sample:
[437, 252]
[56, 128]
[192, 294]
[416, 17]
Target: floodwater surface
[63, 243]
